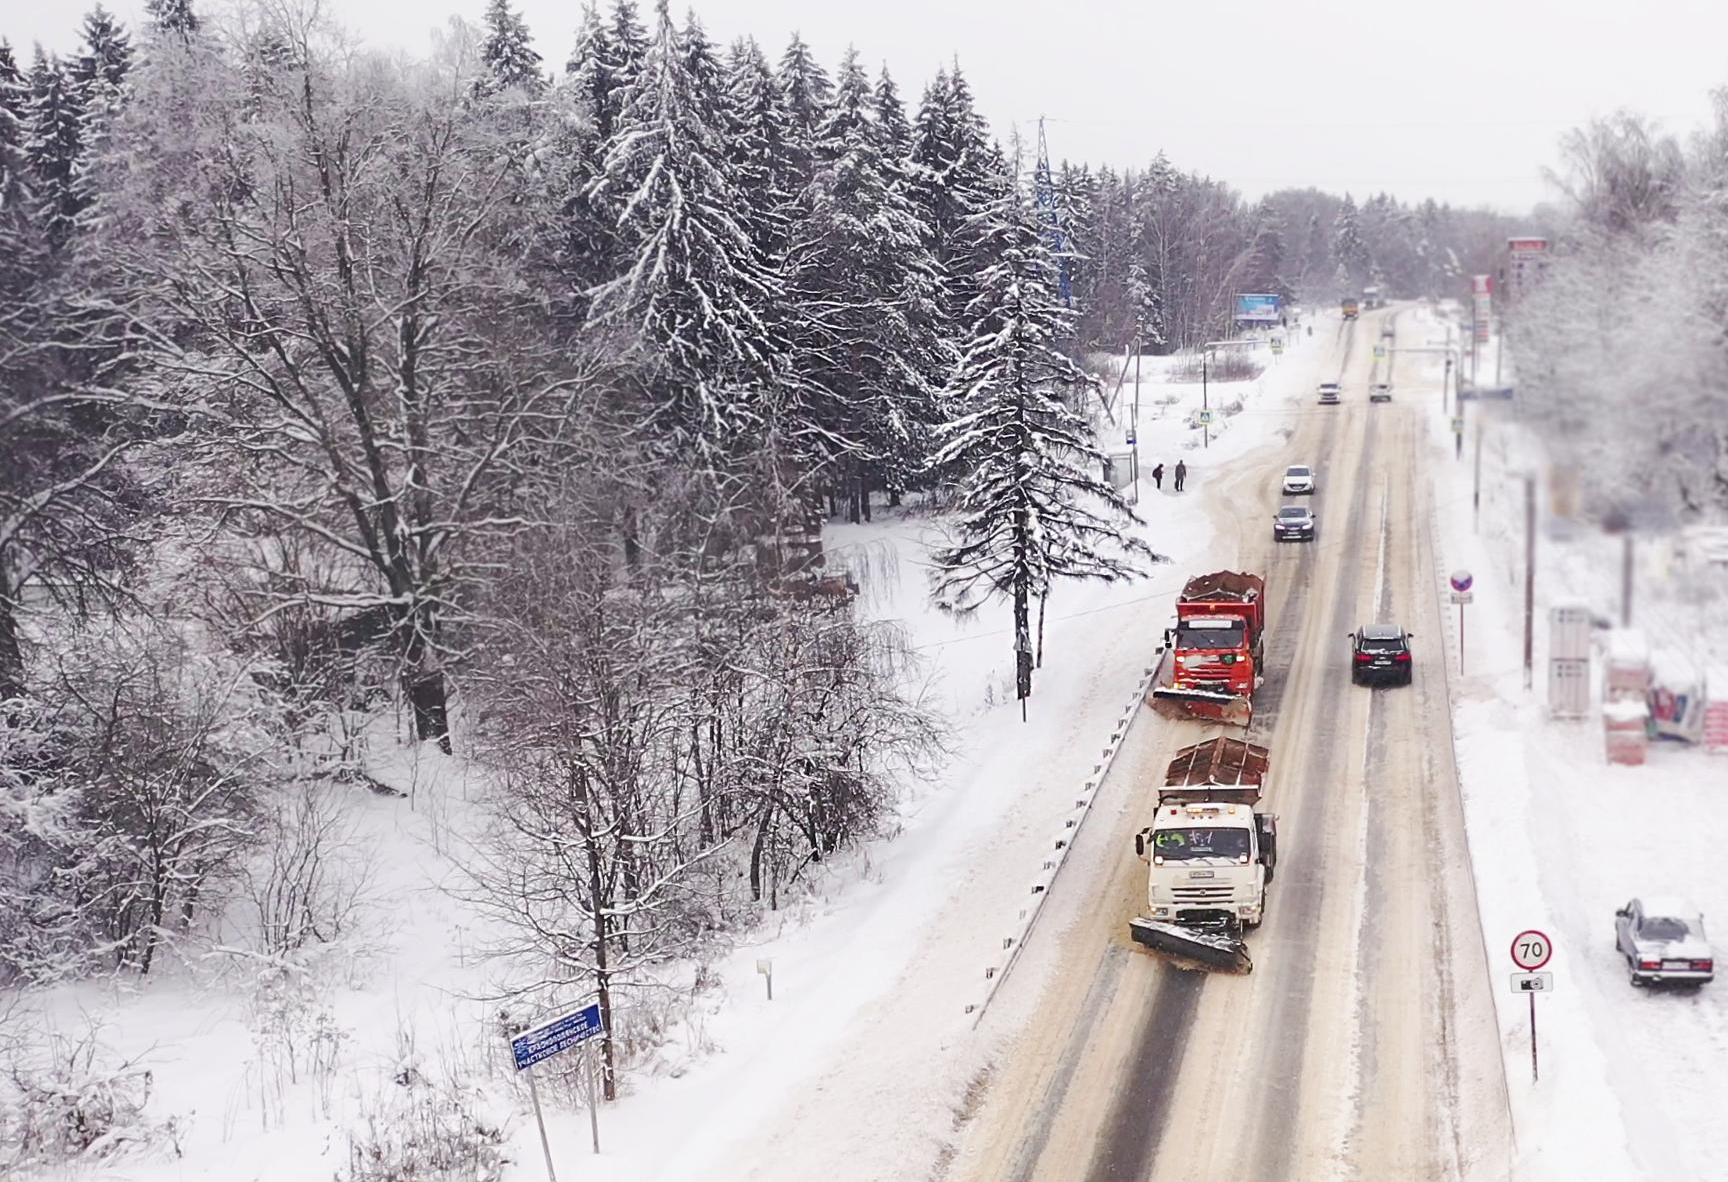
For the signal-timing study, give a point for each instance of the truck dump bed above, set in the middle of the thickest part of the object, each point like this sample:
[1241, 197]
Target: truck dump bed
[1219, 762]
[1225, 586]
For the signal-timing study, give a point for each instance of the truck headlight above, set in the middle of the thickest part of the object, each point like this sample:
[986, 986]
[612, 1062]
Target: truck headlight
[1160, 912]
[1246, 909]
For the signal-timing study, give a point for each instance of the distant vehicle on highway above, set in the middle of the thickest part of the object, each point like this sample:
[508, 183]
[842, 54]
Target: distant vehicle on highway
[1380, 653]
[1328, 393]
[1387, 332]
[1298, 480]
[1349, 308]
[1380, 392]
[1663, 940]
[1294, 523]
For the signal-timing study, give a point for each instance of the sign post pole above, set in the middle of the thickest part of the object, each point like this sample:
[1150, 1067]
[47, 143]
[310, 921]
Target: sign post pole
[1530, 951]
[1461, 580]
[1535, 1075]
[540, 1119]
[593, 1094]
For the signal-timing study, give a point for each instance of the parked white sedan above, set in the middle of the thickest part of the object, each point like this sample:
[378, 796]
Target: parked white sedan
[1663, 940]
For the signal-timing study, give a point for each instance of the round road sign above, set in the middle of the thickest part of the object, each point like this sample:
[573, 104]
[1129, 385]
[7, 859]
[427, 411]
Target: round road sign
[1531, 950]
[1461, 580]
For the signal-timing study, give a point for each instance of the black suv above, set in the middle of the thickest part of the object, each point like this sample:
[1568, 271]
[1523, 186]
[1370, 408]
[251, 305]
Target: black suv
[1380, 653]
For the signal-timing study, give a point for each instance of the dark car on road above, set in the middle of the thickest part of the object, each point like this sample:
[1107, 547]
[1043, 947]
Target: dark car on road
[1380, 653]
[1294, 523]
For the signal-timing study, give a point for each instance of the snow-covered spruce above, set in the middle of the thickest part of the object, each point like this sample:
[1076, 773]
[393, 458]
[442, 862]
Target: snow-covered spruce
[1033, 506]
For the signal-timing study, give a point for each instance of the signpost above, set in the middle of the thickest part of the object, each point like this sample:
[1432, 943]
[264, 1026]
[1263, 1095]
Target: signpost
[541, 1042]
[1462, 581]
[1530, 951]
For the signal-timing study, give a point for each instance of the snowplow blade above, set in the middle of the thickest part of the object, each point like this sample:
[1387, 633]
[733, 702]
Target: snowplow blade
[1193, 948]
[1210, 705]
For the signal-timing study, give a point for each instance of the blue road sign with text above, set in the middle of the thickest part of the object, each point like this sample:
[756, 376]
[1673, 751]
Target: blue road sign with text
[560, 1034]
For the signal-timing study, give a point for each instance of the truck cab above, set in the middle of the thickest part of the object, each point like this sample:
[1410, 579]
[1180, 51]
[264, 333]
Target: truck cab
[1210, 859]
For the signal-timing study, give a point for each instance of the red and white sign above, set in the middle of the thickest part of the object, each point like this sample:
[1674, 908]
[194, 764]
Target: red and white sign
[1531, 949]
[1526, 245]
[1482, 284]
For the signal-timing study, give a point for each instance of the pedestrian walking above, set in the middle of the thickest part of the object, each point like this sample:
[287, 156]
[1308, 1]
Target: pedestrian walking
[1181, 474]
[1158, 477]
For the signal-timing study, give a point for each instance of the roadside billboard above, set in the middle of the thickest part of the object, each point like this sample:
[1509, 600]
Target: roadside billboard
[1482, 289]
[1527, 259]
[1258, 309]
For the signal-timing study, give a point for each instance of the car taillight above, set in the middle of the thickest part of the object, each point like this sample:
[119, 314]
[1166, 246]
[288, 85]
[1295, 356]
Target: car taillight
[1364, 658]
[1704, 966]
[1649, 964]
[1403, 656]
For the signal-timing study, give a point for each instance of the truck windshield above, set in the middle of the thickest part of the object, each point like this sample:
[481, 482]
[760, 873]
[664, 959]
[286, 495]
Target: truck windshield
[1189, 638]
[1184, 844]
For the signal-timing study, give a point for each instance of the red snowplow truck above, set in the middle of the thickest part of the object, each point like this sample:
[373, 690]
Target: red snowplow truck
[1212, 665]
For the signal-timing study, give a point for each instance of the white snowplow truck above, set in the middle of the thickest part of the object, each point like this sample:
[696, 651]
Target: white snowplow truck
[1211, 857]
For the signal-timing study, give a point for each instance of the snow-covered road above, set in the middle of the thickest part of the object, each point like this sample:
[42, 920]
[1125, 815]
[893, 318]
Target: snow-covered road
[1362, 1043]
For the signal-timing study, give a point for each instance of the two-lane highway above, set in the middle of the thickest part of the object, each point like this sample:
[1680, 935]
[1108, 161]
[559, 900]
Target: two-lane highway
[1350, 1049]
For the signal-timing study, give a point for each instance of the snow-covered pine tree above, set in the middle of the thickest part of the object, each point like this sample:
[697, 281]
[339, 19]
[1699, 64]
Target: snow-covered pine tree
[54, 139]
[588, 78]
[754, 127]
[805, 92]
[508, 58]
[107, 51]
[703, 68]
[1266, 251]
[14, 116]
[692, 288]
[950, 156]
[1348, 247]
[868, 352]
[1033, 506]
[893, 130]
[173, 18]
[1318, 267]
[628, 43]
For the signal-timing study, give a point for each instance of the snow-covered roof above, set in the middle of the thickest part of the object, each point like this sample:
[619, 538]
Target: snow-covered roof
[1625, 710]
[1669, 906]
[1381, 632]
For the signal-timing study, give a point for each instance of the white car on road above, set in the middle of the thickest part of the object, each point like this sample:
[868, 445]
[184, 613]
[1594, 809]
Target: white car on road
[1663, 940]
[1298, 480]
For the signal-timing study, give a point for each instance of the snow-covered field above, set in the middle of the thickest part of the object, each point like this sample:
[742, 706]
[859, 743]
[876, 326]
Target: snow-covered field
[1631, 1080]
[266, 1075]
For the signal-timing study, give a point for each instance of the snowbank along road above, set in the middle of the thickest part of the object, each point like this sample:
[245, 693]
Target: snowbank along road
[1364, 1043]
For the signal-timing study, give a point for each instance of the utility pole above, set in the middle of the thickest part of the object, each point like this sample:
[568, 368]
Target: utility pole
[1446, 380]
[1626, 578]
[1476, 488]
[1458, 434]
[1529, 577]
[1134, 419]
[1205, 403]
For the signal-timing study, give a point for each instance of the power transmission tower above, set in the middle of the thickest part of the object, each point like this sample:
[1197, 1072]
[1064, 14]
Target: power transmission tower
[1044, 197]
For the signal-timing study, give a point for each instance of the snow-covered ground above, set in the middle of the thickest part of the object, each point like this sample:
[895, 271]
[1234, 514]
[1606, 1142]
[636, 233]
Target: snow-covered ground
[265, 1075]
[1631, 1080]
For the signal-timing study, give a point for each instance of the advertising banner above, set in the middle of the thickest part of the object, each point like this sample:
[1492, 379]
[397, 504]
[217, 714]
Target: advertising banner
[1258, 309]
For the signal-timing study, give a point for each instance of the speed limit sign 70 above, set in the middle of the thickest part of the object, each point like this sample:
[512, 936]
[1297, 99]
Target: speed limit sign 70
[1531, 950]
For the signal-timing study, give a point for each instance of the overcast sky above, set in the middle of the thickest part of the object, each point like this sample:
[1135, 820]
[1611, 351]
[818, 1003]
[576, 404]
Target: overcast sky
[1461, 100]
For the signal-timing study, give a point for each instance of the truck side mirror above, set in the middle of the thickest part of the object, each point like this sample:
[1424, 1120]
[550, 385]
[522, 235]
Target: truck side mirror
[1140, 847]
